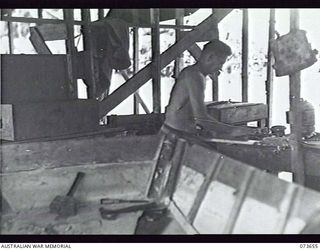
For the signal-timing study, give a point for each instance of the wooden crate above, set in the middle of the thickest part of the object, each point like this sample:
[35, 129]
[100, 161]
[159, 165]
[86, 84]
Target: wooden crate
[238, 113]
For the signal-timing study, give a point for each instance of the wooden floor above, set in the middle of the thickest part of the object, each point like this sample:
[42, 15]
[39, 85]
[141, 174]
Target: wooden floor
[87, 221]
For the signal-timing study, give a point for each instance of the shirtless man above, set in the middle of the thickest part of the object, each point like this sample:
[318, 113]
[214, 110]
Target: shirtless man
[186, 110]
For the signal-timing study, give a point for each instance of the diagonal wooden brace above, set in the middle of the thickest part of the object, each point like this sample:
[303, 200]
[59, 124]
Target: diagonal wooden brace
[139, 99]
[38, 42]
[139, 79]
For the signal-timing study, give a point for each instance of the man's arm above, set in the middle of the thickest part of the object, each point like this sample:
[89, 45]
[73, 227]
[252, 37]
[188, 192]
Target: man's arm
[196, 93]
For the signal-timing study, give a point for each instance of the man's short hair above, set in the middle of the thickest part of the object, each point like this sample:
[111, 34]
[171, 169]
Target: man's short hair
[217, 47]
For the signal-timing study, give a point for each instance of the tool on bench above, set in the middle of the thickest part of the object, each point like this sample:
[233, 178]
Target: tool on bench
[67, 205]
[112, 213]
[108, 201]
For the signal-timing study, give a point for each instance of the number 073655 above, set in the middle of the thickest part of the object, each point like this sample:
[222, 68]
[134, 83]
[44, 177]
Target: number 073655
[310, 245]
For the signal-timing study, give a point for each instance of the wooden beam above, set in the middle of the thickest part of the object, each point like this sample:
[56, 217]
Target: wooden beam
[52, 32]
[176, 27]
[88, 46]
[39, 13]
[35, 20]
[215, 82]
[10, 37]
[38, 42]
[166, 57]
[100, 14]
[56, 21]
[212, 174]
[70, 48]
[239, 200]
[245, 36]
[135, 66]
[156, 67]
[80, 150]
[269, 81]
[297, 164]
[136, 94]
[181, 219]
[178, 65]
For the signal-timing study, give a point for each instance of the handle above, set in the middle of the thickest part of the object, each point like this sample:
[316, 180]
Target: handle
[108, 201]
[129, 209]
[75, 183]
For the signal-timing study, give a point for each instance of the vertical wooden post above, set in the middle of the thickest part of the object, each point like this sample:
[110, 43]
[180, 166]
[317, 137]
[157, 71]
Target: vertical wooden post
[245, 35]
[215, 81]
[156, 67]
[297, 164]
[135, 66]
[100, 14]
[39, 13]
[88, 47]
[10, 38]
[269, 81]
[70, 47]
[178, 64]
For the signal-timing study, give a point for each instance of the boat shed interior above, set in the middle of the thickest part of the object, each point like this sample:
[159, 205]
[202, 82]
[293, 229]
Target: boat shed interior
[73, 163]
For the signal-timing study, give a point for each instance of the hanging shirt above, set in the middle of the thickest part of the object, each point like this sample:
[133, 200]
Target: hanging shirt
[111, 36]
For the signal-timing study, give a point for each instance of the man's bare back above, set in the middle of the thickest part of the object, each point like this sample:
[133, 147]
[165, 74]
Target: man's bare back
[188, 89]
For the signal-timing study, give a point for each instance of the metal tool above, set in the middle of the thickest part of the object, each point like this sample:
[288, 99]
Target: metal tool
[109, 201]
[67, 205]
[112, 214]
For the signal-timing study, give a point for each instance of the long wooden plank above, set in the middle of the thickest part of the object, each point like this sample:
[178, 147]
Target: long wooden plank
[188, 184]
[297, 164]
[179, 21]
[156, 69]
[88, 45]
[211, 175]
[136, 67]
[269, 81]
[240, 196]
[38, 42]
[71, 49]
[139, 100]
[166, 57]
[59, 21]
[181, 219]
[92, 150]
[245, 54]
[53, 32]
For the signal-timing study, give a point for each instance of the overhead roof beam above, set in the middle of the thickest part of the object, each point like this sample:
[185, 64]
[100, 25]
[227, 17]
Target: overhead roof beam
[57, 21]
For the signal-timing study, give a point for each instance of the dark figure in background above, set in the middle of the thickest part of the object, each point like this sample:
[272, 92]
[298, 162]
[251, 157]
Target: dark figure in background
[187, 111]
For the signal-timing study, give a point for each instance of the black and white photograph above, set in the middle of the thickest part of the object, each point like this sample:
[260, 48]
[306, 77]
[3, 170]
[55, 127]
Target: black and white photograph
[160, 121]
